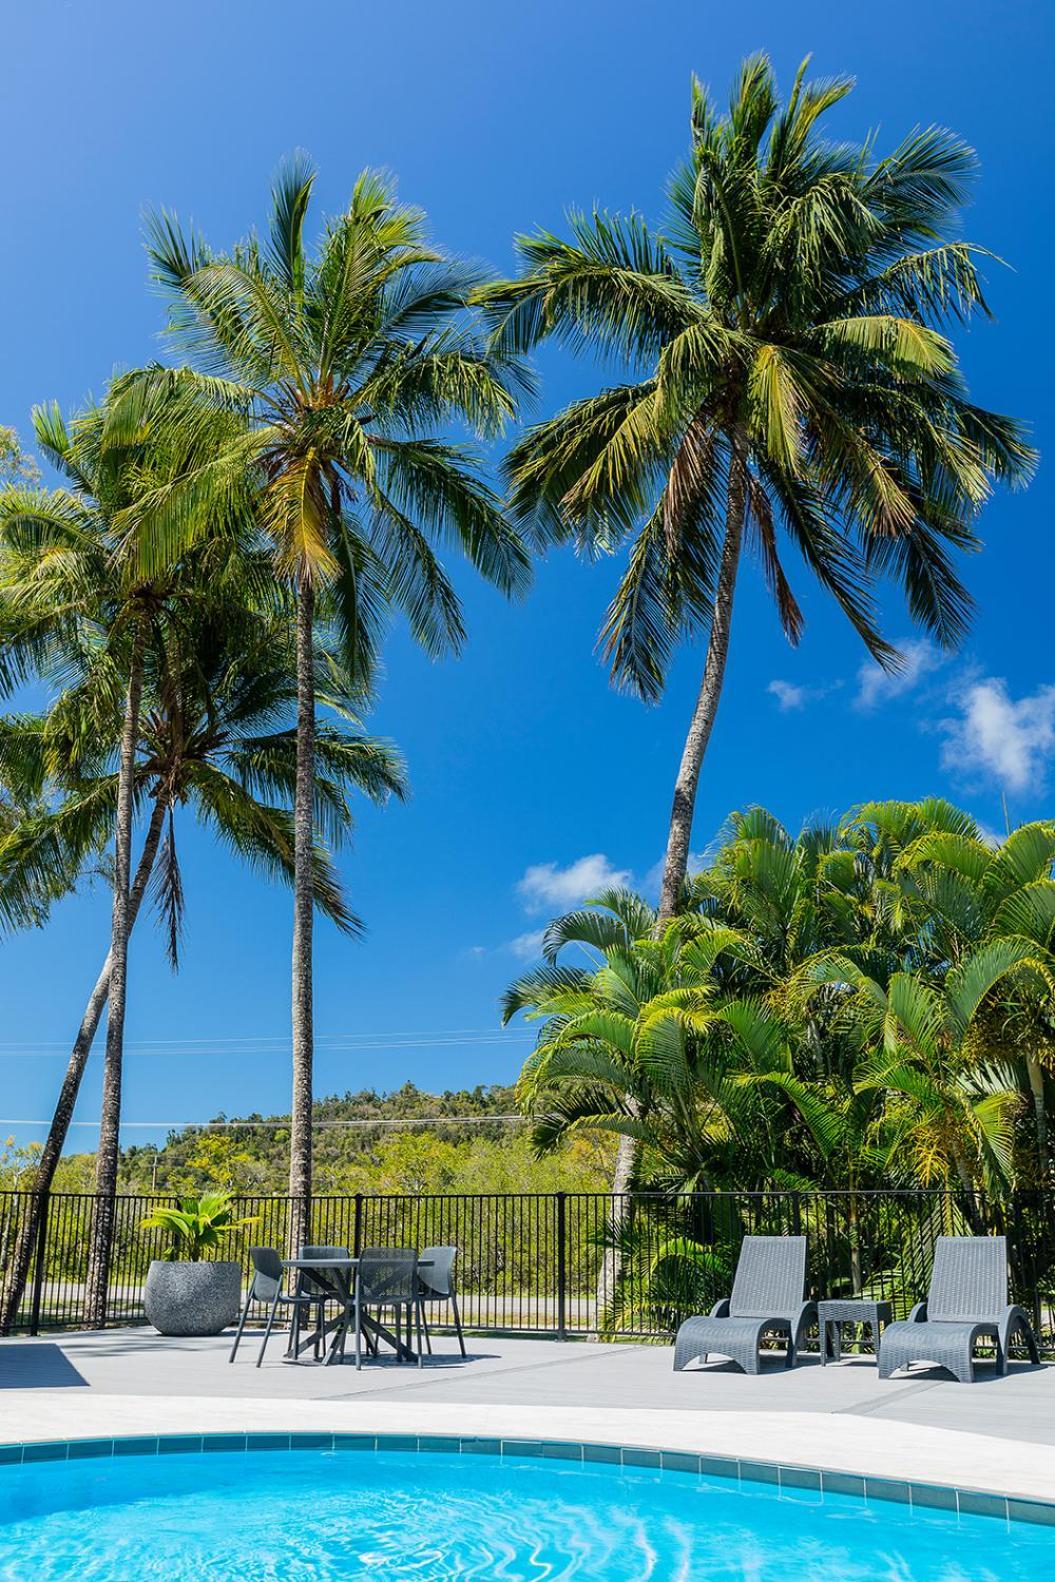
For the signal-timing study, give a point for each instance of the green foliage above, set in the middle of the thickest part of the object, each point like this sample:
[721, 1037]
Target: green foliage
[782, 337]
[197, 1226]
[864, 1005]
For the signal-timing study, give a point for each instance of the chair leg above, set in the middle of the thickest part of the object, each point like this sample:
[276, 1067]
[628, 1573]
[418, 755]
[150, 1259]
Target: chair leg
[425, 1327]
[358, 1328]
[458, 1322]
[241, 1325]
[417, 1311]
[267, 1331]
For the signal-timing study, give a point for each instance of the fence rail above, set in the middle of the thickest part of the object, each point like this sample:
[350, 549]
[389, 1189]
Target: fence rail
[535, 1264]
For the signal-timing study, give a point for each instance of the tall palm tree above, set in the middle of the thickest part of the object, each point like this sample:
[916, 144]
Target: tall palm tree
[343, 364]
[216, 736]
[68, 602]
[786, 371]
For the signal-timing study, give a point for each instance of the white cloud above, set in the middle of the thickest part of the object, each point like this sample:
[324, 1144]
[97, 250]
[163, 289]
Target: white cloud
[474, 952]
[875, 685]
[650, 884]
[1008, 740]
[545, 885]
[527, 946]
[789, 696]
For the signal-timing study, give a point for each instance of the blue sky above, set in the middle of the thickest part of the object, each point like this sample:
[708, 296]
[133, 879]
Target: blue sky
[531, 778]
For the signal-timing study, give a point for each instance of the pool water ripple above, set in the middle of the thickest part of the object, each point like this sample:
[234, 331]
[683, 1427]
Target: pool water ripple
[393, 1516]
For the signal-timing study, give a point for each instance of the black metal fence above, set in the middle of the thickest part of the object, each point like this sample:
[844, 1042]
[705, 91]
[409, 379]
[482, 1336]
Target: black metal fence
[570, 1264]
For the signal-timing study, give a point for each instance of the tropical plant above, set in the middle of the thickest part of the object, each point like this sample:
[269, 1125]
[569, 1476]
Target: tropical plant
[216, 736]
[197, 1226]
[340, 366]
[787, 369]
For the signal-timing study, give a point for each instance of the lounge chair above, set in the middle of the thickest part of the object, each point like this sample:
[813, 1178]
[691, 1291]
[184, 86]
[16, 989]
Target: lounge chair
[967, 1302]
[768, 1296]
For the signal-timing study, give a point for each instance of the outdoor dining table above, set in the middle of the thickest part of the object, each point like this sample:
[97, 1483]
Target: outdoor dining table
[336, 1278]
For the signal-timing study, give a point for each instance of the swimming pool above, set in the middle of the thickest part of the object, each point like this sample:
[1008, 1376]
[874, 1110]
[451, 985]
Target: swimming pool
[391, 1515]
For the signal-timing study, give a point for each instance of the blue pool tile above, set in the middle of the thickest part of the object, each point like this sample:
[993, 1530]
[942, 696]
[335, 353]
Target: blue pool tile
[720, 1467]
[138, 1445]
[679, 1461]
[609, 1455]
[397, 1442]
[633, 1457]
[267, 1442]
[932, 1497]
[1036, 1511]
[976, 1504]
[48, 1452]
[561, 1450]
[353, 1441]
[221, 1442]
[316, 1441]
[480, 1447]
[759, 1472]
[10, 1455]
[82, 1449]
[800, 1478]
[436, 1444]
[843, 1483]
[179, 1444]
[887, 1489]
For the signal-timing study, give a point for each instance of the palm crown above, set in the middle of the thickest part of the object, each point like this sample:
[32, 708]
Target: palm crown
[342, 364]
[786, 323]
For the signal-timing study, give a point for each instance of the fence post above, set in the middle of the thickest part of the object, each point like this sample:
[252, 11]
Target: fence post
[357, 1230]
[562, 1266]
[39, 1264]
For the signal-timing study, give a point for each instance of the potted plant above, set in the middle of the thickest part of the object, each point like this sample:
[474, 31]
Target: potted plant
[186, 1292]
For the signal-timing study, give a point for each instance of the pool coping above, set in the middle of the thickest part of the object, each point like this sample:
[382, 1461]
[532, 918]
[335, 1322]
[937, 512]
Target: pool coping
[789, 1478]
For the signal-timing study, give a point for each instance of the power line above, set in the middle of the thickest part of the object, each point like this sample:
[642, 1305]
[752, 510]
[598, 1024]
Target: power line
[405, 1120]
[275, 1038]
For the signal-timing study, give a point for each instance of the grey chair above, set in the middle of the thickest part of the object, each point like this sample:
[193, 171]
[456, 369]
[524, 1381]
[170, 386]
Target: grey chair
[266, 1286]
[768, 1296]
[967, 1302]
[436, 1283]
[388, 1279]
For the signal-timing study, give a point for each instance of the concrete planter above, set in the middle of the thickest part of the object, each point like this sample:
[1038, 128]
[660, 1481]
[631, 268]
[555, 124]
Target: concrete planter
[192, 1298]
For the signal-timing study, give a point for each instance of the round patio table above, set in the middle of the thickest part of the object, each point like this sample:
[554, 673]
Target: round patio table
[336, 1278]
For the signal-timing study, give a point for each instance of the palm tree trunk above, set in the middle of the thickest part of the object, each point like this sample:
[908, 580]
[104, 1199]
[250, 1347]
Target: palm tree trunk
[685, 787]
[303, 889]
[1035, 1072]
[676, 861]
[60, 1121]
[106, 1159]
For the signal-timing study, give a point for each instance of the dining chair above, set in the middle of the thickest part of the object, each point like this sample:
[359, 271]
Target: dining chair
[436, 1282]
[266, 1286]
[387, 1277]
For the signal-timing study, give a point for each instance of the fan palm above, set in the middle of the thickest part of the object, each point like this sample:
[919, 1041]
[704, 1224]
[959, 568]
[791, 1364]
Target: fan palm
[787, 371]
[216, 737]
[341, 366]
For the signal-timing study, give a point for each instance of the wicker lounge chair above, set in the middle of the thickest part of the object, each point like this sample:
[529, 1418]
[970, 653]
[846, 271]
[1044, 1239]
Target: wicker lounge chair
[768, 1297]
[967, 1302]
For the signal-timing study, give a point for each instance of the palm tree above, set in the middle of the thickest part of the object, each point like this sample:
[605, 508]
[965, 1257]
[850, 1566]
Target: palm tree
[216, 736]
[786, 370]
[340, 365]
[71, 604]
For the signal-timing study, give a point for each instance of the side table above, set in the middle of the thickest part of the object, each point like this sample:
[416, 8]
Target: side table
[830, 1315]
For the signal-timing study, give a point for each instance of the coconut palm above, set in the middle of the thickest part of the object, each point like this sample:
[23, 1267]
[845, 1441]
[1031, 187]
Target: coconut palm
[786, 374]
[343, 365]
[72, 607]
[217, 738]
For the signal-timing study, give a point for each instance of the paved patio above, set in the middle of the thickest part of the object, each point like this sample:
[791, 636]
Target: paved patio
[997, 1433]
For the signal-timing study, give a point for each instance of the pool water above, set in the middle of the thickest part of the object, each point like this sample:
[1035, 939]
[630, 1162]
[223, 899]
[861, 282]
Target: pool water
[393, 1516]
